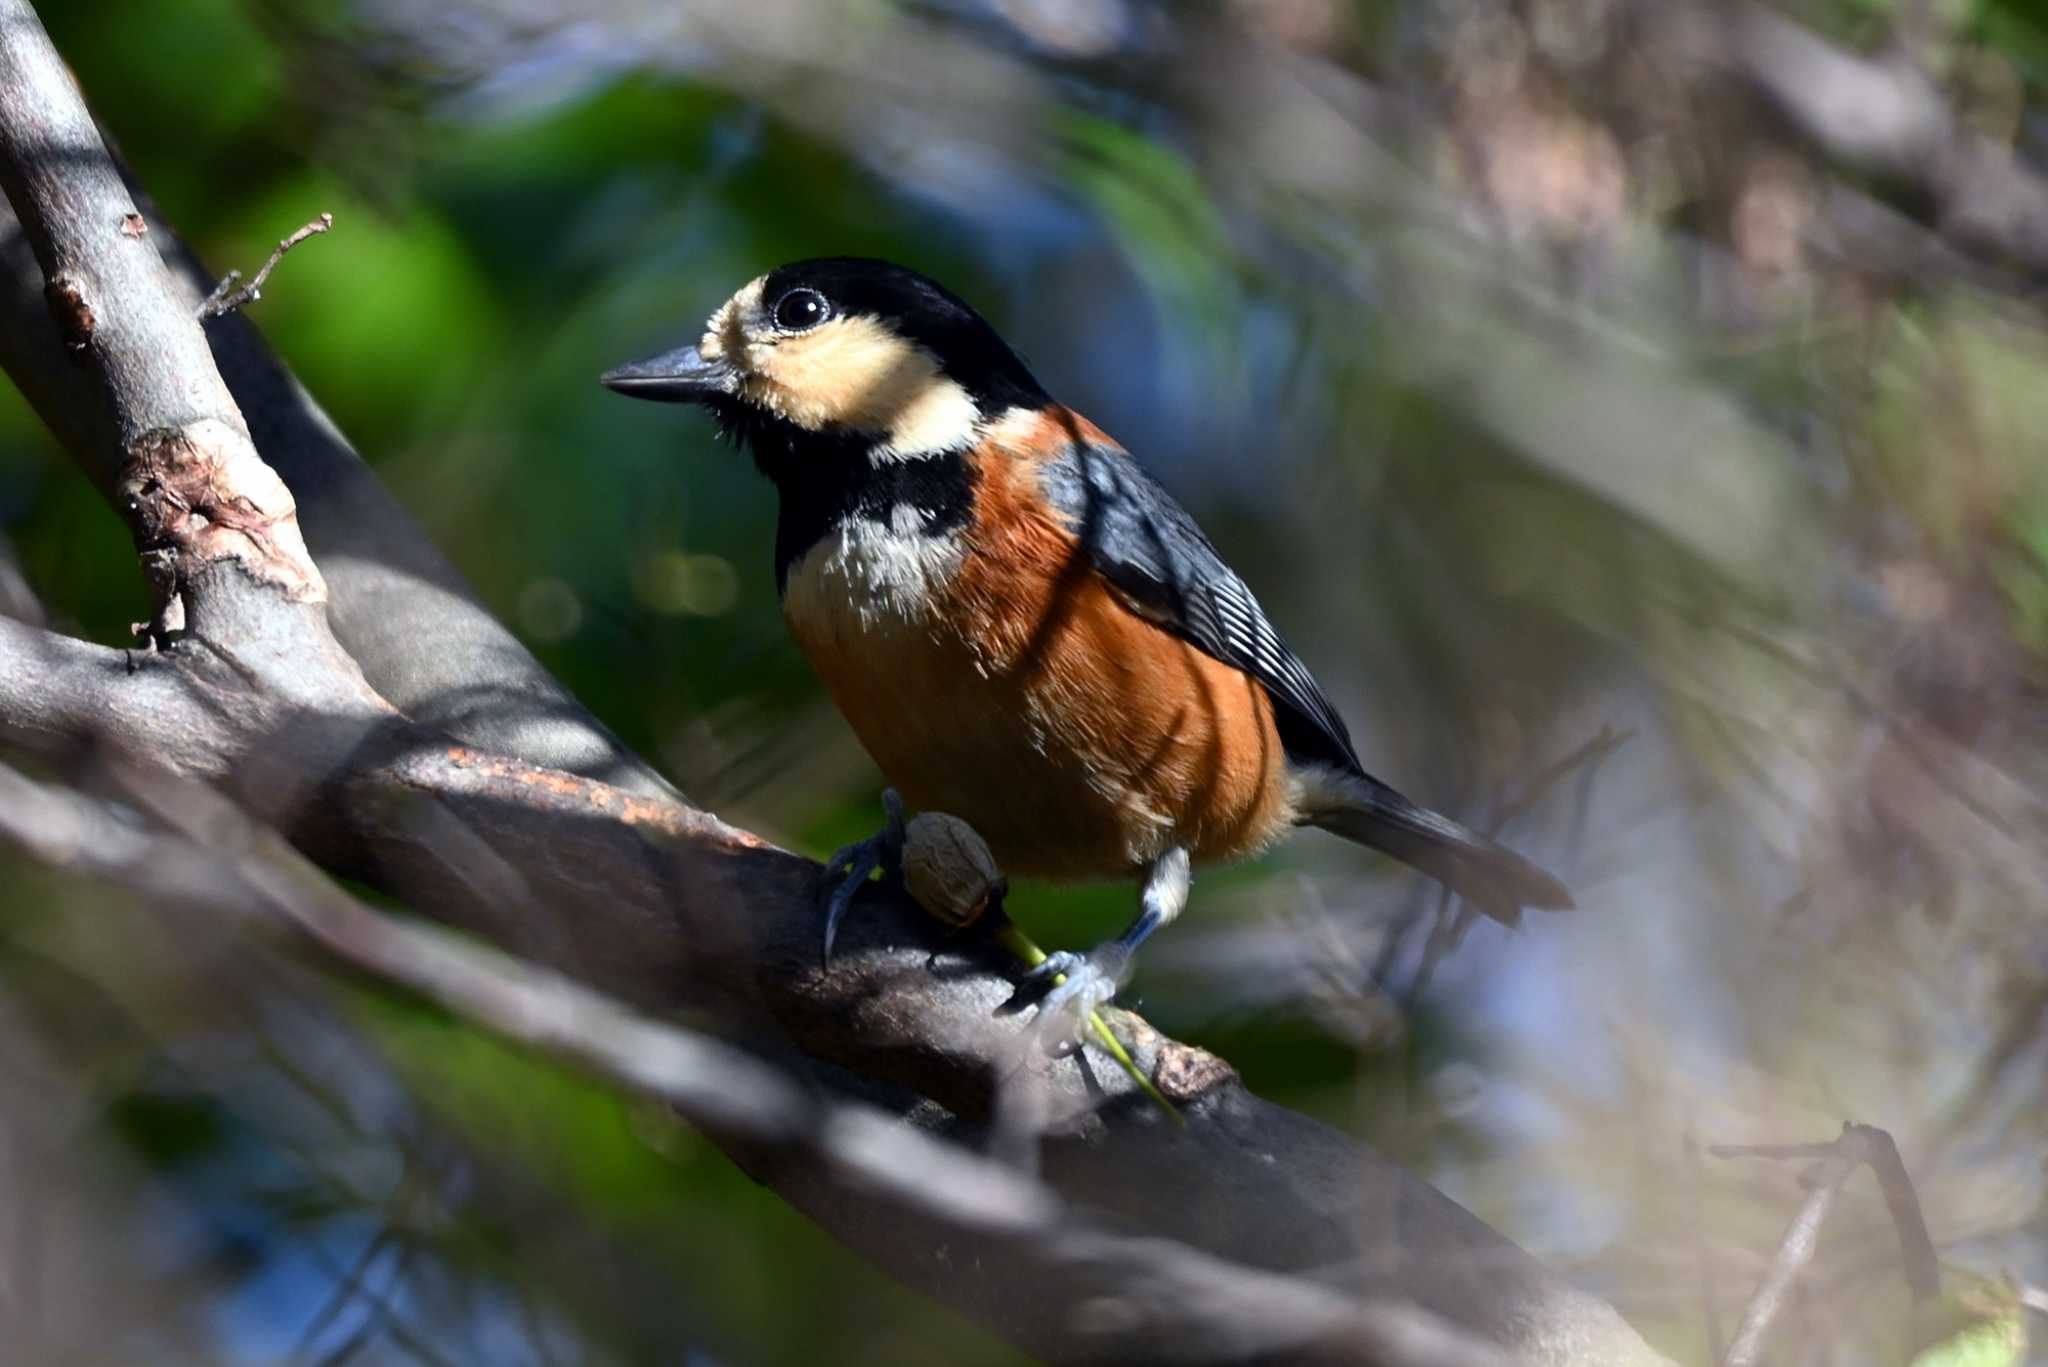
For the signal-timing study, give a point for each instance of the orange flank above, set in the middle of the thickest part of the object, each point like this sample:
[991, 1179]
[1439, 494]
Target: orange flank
[1080, 739]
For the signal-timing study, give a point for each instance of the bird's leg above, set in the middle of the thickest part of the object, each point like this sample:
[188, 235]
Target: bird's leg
[883, 850]
[1093, 978]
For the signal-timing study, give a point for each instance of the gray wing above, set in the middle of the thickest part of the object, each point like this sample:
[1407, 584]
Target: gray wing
[1152, 553]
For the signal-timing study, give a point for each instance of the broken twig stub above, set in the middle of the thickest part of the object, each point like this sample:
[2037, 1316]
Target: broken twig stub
[199, 494]
[226, 298]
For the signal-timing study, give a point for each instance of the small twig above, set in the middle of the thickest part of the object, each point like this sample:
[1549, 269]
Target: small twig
[225, 298]
[1021, 945]
[1795, 1251]
[1777, 1151]
[1454, 919]
[1858, 1145]
[1446, 932]
[1588, 756]
[1916, 1246]
[1710, 1298]
[345, 1289]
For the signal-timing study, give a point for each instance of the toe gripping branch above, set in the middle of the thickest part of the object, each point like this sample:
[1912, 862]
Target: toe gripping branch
[1074, 986]
[850, 866]
[948, 870]
[1080, 983]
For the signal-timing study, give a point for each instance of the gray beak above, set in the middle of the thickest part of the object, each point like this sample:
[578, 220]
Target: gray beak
[679, 376]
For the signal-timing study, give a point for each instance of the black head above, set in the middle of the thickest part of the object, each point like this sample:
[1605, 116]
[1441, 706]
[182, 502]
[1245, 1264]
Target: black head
[843, 354]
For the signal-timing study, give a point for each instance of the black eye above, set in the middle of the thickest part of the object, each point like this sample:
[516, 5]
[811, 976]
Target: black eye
[800, 310]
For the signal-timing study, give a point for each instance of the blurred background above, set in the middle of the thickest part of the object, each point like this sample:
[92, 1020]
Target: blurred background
[1635, 411]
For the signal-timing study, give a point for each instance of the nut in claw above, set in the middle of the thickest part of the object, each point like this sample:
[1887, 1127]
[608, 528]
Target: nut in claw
[948, 868]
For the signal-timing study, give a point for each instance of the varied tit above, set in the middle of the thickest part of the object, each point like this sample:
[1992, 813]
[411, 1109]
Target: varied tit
[1023, 628]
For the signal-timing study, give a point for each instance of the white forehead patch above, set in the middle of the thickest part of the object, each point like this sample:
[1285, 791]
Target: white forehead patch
[725, 332]
[849, 372]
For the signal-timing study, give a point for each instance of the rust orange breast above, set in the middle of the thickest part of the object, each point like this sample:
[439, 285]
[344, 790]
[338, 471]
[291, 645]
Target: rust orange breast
[993, 674]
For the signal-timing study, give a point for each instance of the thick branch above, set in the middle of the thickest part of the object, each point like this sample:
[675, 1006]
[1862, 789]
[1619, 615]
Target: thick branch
[189, 480]
[1175, 1302]
[671, 907]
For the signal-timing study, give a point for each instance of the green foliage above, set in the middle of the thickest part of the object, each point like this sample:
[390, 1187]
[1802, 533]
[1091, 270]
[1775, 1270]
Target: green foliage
[167, 1131]
[1167, 224]
[2000, 1342]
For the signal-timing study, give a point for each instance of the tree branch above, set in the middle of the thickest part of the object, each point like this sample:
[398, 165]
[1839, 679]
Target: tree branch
[672, 907]
[1858, 1145]
[1175, 1303]
[403, 613]
[195, 493]
[225, 298]
[1884, 117]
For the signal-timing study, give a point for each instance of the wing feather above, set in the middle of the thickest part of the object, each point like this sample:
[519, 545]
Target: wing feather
[1148, 548]
[1152, 553]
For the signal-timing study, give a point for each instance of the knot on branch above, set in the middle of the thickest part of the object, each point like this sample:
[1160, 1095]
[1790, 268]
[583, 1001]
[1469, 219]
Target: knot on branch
[199, 494]
[1186, 1074]
[1183, 1073]
[72, 315]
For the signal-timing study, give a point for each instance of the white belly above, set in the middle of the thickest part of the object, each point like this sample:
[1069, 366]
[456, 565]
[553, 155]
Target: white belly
[866, 577]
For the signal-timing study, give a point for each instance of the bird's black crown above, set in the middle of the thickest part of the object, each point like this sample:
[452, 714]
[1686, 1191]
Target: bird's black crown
[920, 311]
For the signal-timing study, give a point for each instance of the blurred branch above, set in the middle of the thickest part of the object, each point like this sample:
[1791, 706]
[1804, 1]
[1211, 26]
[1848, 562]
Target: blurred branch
[1175, 1304]
[1884, 117]
[1794, 1253]
[1587, 758]
[346, 746]
[17, 597]
[346, 1289]
[1453, 919]
[1857, 1146]
[671, 907]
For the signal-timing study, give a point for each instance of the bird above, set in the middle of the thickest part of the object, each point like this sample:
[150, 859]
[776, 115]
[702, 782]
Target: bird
[1022, 626]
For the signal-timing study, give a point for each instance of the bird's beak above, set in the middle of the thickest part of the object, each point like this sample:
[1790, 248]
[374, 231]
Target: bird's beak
[679, 376]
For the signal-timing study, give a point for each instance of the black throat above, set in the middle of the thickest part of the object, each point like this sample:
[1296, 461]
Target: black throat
[825, 478]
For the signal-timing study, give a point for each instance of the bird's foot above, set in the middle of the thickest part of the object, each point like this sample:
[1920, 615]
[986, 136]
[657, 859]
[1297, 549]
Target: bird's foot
[1077, 985]
[850, 866]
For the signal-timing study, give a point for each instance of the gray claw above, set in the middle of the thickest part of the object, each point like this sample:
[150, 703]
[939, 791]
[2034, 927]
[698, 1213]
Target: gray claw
[1058, 962]
[882, 850]
[1092, 981]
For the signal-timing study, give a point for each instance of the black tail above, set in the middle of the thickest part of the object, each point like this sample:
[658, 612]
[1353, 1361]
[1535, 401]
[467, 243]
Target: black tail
[1491, 877]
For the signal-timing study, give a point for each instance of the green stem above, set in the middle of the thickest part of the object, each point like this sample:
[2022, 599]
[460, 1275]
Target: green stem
[1019, 944]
